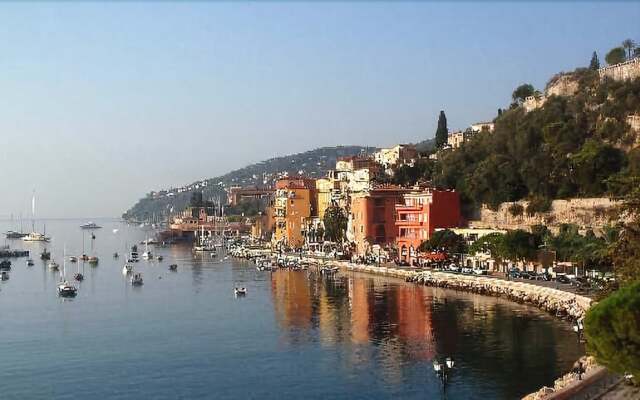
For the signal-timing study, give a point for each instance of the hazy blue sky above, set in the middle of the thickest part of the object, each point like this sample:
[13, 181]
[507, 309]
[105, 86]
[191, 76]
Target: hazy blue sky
[101, 103]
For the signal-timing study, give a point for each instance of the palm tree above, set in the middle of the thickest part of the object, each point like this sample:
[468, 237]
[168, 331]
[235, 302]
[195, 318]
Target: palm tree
[629, 45]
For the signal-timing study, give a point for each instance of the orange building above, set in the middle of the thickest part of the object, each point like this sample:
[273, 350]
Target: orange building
[295, 201]
[420, 214]
[373, 216]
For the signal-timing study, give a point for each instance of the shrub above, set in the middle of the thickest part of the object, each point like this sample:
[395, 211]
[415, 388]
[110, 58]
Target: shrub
[516, 209]
[538, 204]
[612, 329]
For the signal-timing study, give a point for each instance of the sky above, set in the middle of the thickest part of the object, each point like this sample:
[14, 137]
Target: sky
[101, 103]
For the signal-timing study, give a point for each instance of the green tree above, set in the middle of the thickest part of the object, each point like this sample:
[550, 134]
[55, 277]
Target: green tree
[522, 92]
[629, 45]
[335, 224]
[520, 245]
[625, 252]
[444, 240]
[616, 56]
[595, 63]
[612, 329]
[442, 132]
[493, 244]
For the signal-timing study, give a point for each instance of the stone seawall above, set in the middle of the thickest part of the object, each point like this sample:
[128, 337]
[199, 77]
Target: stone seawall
[560, 303]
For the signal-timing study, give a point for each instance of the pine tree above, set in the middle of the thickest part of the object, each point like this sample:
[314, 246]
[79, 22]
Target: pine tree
[595, 63]
[442, 132]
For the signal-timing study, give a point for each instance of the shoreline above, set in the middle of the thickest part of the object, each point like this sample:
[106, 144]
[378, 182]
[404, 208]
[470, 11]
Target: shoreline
[562, 304]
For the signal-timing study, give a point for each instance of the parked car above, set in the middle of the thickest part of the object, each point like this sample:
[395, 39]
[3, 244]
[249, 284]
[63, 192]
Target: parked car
[526, 275]
[479, 271]
[580, 282]
[515, 273]
[562, 279]
[543, 276]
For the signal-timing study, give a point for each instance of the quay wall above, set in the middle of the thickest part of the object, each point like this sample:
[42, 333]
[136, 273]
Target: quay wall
[560, 303]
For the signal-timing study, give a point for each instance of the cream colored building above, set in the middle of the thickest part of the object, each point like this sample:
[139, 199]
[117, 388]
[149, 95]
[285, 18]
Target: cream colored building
[396, 156]
[455, 139]
[480, 126]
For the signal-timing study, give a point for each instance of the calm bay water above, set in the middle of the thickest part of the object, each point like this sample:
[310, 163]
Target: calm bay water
[183, 335]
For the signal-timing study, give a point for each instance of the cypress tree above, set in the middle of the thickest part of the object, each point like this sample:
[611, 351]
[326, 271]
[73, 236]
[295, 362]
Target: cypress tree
[595, 63]
[442, 132]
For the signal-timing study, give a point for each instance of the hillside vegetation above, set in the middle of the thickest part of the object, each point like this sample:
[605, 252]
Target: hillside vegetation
[574, 146]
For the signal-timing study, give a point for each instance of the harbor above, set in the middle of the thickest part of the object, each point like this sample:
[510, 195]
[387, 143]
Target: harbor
[382, 332]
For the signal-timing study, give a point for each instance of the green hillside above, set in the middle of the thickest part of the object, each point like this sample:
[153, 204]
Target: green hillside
[313, 163]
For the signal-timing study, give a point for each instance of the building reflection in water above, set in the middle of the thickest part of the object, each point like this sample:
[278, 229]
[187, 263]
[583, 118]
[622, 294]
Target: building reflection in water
[353, 313]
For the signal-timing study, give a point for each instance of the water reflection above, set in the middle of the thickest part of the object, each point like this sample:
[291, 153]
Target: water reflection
[395, 325]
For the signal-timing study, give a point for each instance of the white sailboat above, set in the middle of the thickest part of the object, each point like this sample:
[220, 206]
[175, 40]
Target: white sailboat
[147, 254]
[65, 288]
[34, 236]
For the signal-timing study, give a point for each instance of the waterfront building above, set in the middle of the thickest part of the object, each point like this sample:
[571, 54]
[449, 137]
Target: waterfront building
[419, 214]
[373, 216]
[294, 204]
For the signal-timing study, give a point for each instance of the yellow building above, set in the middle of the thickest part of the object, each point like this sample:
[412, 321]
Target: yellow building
[324, 191]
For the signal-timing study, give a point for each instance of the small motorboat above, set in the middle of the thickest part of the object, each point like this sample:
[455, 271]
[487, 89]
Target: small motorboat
[4, 275]
[136, 279]
[73, 259]
[29, 263]
[54, 266]
[127, 269]
[5, 265]
[65, 289]
[173, 267]
[45, 255]
[78, 277]
[159, 258]
[240, 291]
[116, 255]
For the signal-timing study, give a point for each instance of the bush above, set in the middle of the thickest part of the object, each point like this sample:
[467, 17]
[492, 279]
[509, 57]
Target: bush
[612, 329]
[516, 209]
[538, 205]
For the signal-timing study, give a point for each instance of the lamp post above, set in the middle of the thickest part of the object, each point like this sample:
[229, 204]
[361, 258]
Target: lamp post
[578, 328]
[443, 370]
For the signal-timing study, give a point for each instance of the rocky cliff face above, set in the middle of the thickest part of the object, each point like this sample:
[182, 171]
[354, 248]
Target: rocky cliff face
[591, 213]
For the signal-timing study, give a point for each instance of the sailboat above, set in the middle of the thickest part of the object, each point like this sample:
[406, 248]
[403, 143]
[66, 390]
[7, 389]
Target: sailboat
[34, 236]
[78, 276]
[147, 254]
[11, 234]
[66, 289]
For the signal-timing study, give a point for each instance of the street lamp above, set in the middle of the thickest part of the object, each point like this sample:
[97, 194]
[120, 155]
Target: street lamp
[442, 370]
[578, 328]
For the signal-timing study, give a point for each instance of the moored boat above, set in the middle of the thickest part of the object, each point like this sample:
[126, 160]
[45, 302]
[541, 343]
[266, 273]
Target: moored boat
[136, 279]
[5, 265]
[36, 237]
[127, 269]
[66, 289]
[90, 225]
